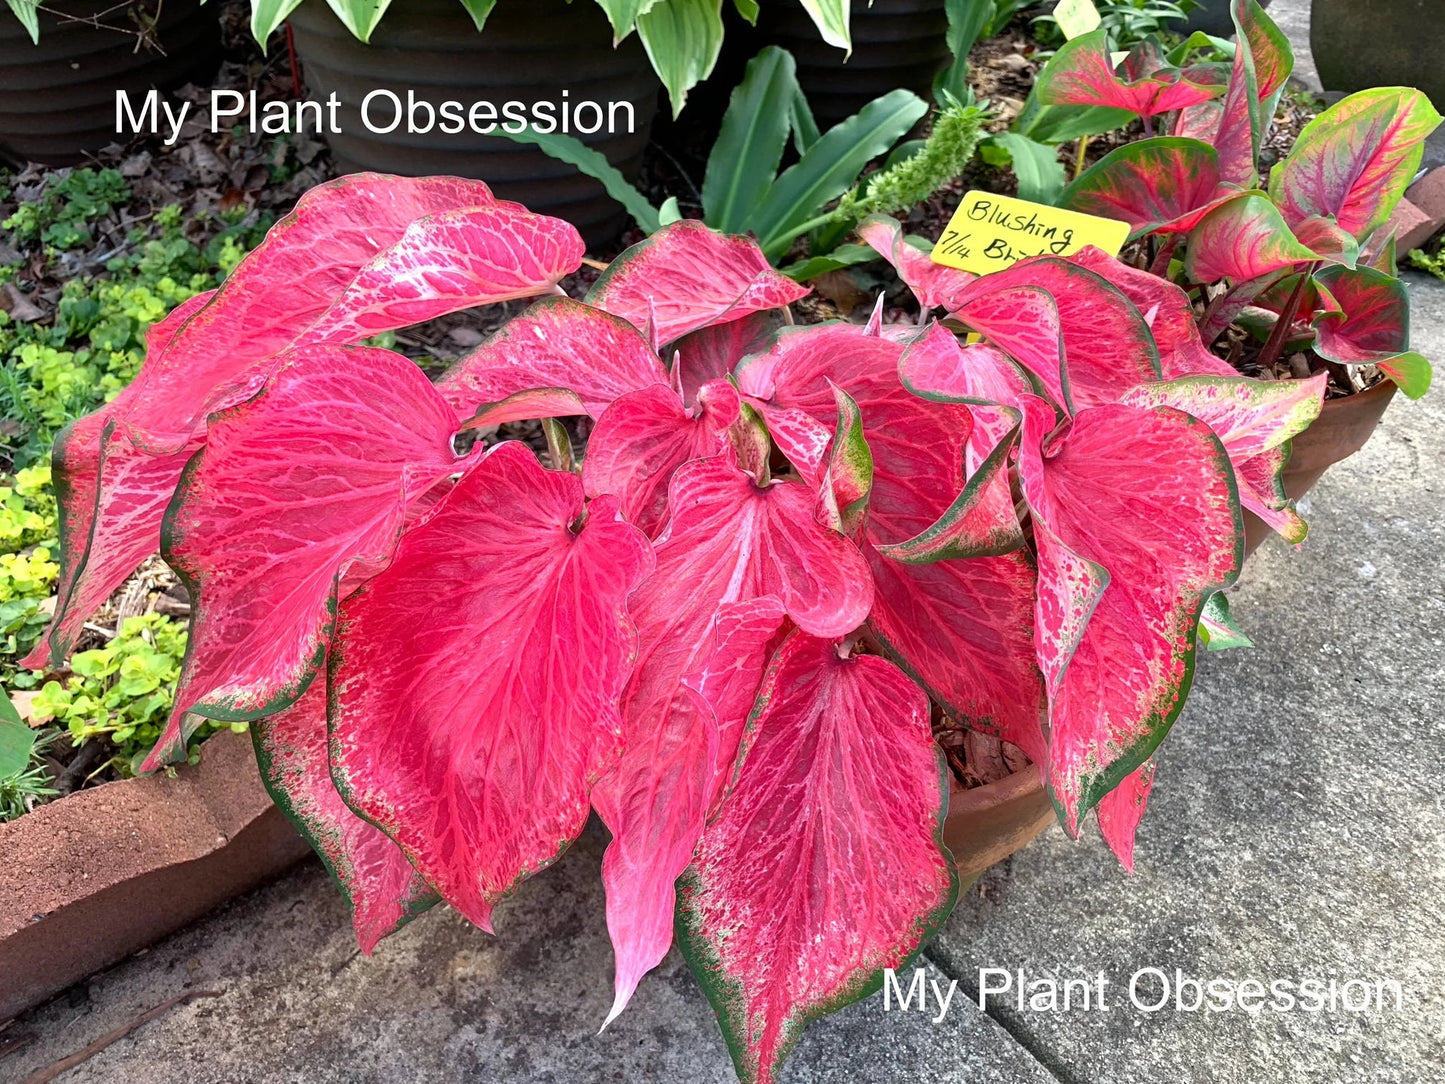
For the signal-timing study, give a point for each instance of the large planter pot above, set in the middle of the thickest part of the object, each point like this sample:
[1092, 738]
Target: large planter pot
[1383, 43]
[527, 53]
[91, 878]
[987, 824]
[57, 98]
[1341, 430]
[1212, 17]
[896, 43]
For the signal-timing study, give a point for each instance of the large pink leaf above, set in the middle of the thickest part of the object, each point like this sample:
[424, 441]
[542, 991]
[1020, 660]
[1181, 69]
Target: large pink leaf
[933, 284]
[687, 276]
[383, 888]
[557, 343]
[826, 864]
[1166, 184]
[645, 436]
[1107, 345]
[1354, 161]
[472, 738]
[1081, 73]
[1140, 509]
[713, 352]
[1121, 810]
[1242, 239]
[657, 797]
[308, 479]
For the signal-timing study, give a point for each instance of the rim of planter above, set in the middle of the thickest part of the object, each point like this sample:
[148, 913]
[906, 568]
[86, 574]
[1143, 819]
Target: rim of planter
[987, 824]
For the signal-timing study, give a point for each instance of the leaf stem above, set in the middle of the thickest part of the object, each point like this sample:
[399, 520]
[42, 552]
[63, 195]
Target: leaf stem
[1079, 157]
[1160, 266]
[559, 444]
[1277, 338]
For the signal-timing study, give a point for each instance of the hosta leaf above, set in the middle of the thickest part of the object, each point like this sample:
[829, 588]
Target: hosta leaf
[831, 19]
[1144, 501]
[360, 16]
[933, 284]
[1081, 73]
[682, 39]
[1355, 160]
[1217, 628]
[1244, 238]
[622, 14]
[1371, 326]
[267, 15]
[685, 277]
[844, 791]
[559, 343]
[1153, 184]
[383, 888]
[472, 741]
[1121, 810]
[1107, 345]
[310, 477]
[711, 353]
[646, 435]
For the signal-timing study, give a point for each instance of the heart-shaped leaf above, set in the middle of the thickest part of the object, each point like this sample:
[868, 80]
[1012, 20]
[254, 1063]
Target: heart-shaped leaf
[1081, 73]
[1242, 239]
[1166, 184]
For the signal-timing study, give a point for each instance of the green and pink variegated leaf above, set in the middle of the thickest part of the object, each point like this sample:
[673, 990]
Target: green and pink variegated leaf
[842, 787]
[1121, 810]
[1263, 60]
[1143, 507]
[646, 435]
[1166, 184]
[1217, 627]
[556, 343]
[1261, 491]
[1023, 322]
[1354, 161]
[1245, 238]
[383, 888]
[1371, 326]
[656, 798]
[472, 739]
[687, 276]
[1081, 73]
[933, 284]
[848, 478]
[1325, 239]
[713, 352]
[309, 478]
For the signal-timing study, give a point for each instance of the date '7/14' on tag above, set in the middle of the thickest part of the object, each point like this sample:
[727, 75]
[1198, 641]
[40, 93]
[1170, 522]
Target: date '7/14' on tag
[992, 233]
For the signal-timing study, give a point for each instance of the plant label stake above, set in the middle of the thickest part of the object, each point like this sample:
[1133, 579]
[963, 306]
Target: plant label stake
[990, 233]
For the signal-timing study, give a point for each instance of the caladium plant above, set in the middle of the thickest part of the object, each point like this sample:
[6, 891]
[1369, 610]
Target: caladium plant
[729, 629]
[1306, 264]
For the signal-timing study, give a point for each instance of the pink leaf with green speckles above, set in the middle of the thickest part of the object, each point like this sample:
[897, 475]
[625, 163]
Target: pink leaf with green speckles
[1121, 810]
[472, 738]
[309, 478]
[556, 343]
[1081, 73]
[841, 787]
[933, 284]
[383, 888]
[1166, 184]
[1140, 511]
[1242, 239]
[687, 276]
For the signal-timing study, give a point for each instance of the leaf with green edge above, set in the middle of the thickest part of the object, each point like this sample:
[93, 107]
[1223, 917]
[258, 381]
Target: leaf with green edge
[831, 17]
[830, 166]
[682, 39]
[622, 14]
[1217, 627]
[1261, 491]
[843, 256]
[309, 478]
[16, 739]
[480, 9]
[800, 118]
[1164, 184]
[1323, 236]
[1082, 73]
[748, 9]
[1262, 63]
[383, 889]
[267, 15]
[933, 284]
[745, 156]
[27, 11]
[1242, 239]
[1121, 810]
[1371, 326]
[1040, 174]
[848, 478]
[359, 16]
[533, 404]
[1355, 160]
[574, 152]
[479, 762]
[841, 786]
[713, 352]
[1067, 123]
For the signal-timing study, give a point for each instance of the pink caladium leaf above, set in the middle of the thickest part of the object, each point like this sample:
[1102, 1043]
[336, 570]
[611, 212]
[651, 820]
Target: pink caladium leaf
[933, 284]
[1117, 622]
[556, 343]
[478, 762]
[309, 478]
[1166, 184]
[1370, 326]
[382, 887]
[657, 797]
[1081, 73]
[1107, 344]
[687, 276]
[1217, 627]
[1261, 491]
[526, 405]
[713, 352]
[1243, 239]
[646, 435]
[1121, 810]
[843, 787]
[1354, 161]
[848, 480]
[1263, 61]
[1325, 239]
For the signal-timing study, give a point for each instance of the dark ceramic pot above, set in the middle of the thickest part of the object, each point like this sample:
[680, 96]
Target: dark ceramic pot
[1212, 16]
[527, 53]
[1383, 43]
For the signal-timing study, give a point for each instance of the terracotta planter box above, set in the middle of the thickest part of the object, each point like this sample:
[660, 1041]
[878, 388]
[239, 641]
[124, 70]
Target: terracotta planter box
[987, 824]
[92, 878]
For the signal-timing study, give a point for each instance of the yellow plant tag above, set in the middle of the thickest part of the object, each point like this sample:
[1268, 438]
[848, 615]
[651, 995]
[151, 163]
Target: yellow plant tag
[1077, 17]
[992, 233]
